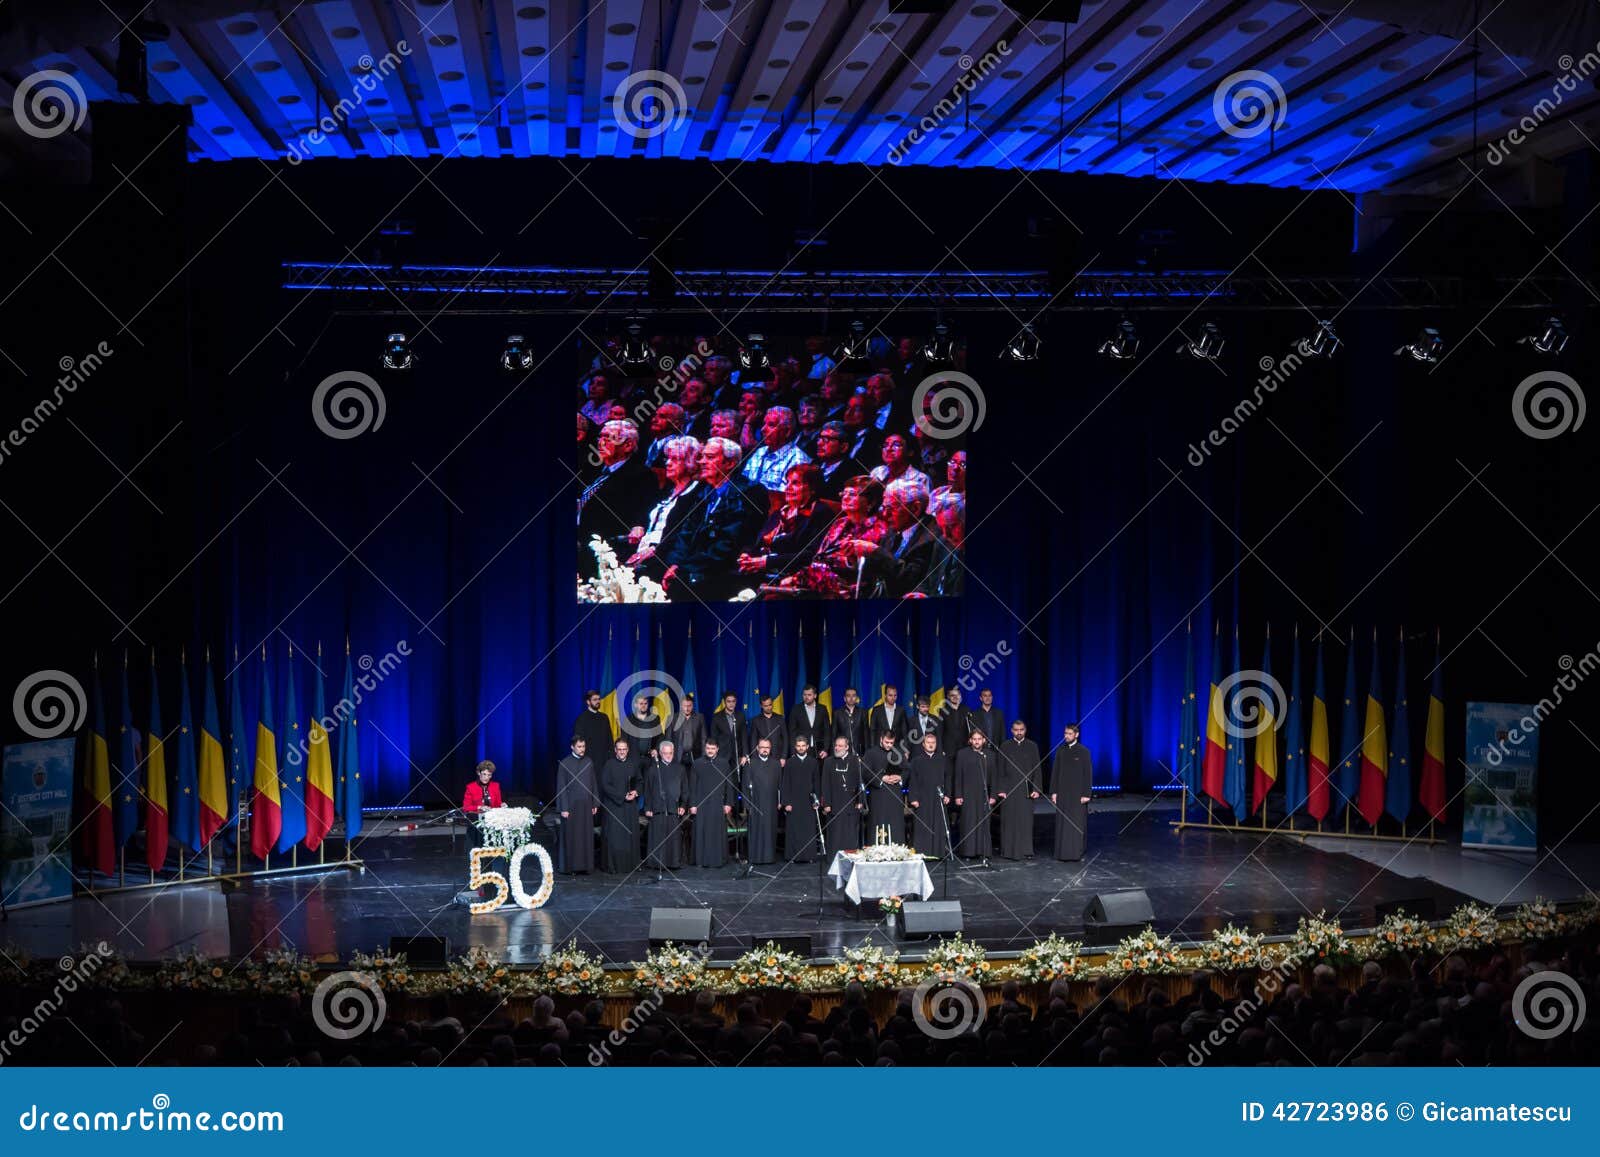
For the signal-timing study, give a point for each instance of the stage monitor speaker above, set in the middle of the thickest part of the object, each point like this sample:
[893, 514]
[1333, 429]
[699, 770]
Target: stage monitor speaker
[1422, 907]
[932, 916]
[680, 925]
[1119, 914]
[799, 945]
[421, 951]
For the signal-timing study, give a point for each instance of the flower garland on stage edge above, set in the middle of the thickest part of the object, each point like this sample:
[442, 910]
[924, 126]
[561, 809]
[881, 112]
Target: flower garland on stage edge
[571, 971]
[388, 970]
[1321, 940]
[1053, 958]
[1400, 933]
[1472, 926]
[1232, 948]
[671, 969]
[769, 969]
[1148, 952]
[958, 958]
[869, 966]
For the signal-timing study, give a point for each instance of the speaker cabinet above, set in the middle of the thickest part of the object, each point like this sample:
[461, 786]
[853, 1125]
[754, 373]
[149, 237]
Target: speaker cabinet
[680, 925]
[421, 951]
[1117, 914]
[932, 917]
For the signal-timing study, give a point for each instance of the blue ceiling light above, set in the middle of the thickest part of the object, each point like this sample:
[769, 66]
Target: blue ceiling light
[1208, 346]
[1323, 343]
[1427, 347]
[517, 357]
[397, 353]
[1123, 345]
[1024, 346]
[1551, 340]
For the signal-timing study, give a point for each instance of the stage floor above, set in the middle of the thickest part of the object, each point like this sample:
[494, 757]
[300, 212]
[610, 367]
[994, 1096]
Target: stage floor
[1196, 881]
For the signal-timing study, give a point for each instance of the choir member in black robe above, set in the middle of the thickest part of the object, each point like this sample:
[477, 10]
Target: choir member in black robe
[885, 784]
[842, 776]
[711, 795]
[988, 719]
[760, 777]
[688, 733]
[974, 769]
[595, 727]
[922, 722]
[665, 805]
[1071, 785]
[887, 716]
[619, 811]
[769, 726]
[644, 728]
[958, 725]
[796, 789]
[729, 726]
[928, 791]
[1017, 777]
[578, 801]
[810, 719]
[850, 721]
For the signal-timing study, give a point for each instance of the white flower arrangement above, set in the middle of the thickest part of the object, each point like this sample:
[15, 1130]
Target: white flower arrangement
[770, 968]
[387, 969]
[615, 582]
[281, 970]
[882, 854]
[1538, 918]
[1053, 958]
[194, 970]
[1402, 932]
[1472, 926]
[1148, 952]
[1232, 948]
[671, 968]
[570, 971]
[478, 971]
[958, 958]
[506, 827]
[1321, 940]
[869, 966]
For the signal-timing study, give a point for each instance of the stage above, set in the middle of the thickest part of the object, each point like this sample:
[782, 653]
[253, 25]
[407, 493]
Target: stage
[1196, 880]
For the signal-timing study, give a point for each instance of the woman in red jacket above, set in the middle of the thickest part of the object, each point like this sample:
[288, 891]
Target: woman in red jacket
[482, 793]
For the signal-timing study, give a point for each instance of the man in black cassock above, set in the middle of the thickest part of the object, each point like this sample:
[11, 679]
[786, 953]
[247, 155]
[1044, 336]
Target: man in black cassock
[619, 811]
[928, 792]
[958, 725]
[665, 806]
[987, 718]
[729, 726]
[842, 776]
[810, 719]
[887, 716]
[1016, 786]
[973, 776]
[643, 727]
[711, 795]
[578, 801]
[760, 777]
[885, 799]
[796, 791]
[1071, 785]
[769, 726]
[688, 733]
[850, 721]
[595, 727]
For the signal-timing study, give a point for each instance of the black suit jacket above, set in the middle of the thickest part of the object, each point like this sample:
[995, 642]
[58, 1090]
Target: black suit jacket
[729, 732]
[706, 547]
[820, 733]
[878, 723]
[853, 727]
[894, 569]
[618, 503]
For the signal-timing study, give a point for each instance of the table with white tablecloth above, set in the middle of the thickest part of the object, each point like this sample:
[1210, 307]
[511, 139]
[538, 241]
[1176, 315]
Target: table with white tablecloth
[861, 879]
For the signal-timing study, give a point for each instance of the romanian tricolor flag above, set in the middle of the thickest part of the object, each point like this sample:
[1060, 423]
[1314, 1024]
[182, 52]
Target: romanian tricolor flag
[1294, 742]
[156, 810]
[319, 770]
[1430, 789]
[1264, 772]
[291, 766]
[825, 684]
[213, 776]
[125, 769]
[775, 682]
[1214, 752]
[186, 809]
[800, 677]
[1317, 754]
[752, 681]
[608, 693]
[690, 681]
[663, 702]
[1234, 785]
[1347, 778]
[240, 792]
[99, 839]
[936, 686]
[908, 689]
[1189, 721]
[266, 809]
[1374, 748]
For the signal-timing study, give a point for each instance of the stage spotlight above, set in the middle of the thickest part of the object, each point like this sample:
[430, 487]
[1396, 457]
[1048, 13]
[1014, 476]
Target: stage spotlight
[1024, 347]
[397, 353]
[1552, 340]
[851, 356]
[1427, 347]
[635, 350]
[517, 357]
[939, 351]
[754, 365]
[1324, 343]
[1124, 344]
[1208, 347]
